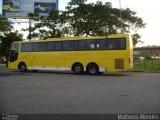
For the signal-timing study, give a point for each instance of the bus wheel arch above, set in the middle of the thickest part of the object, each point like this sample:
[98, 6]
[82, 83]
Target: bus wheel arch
[92, 68]
[77, 68]
[22, 67]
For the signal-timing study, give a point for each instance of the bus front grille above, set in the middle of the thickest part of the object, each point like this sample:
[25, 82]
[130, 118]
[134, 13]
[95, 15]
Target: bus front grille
[119, 63]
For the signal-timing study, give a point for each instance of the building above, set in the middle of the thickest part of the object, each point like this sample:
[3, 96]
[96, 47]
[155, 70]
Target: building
[147, 51]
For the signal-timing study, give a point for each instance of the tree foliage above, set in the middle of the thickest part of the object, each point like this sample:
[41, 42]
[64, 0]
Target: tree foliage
[6, 43]
[5, 25]
[136, 39]
[100, 19]
[45, 27]
[89, 19]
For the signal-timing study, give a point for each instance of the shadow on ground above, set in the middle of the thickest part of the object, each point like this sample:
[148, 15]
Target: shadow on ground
[7, 73]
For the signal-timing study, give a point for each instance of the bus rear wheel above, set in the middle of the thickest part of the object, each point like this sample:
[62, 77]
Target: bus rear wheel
[92, 69]
[22, 67]
[78, 69]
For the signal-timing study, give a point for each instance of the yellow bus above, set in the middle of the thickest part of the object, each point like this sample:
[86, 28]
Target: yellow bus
[90, 55]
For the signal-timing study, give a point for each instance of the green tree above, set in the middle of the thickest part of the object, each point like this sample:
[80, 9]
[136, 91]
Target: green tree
[46, 27]
[136, 39]
[5, 25]
[101, 19]
[7, 40]
[90, 19]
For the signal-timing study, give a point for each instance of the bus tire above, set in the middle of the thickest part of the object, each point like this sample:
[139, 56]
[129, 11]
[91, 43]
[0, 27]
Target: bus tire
[22, 67]
[77, 69]
[92, 69]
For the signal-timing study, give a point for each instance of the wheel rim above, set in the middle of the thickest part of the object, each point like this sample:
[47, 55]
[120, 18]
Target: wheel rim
[78, 69]
[93, 70]
[22, 68]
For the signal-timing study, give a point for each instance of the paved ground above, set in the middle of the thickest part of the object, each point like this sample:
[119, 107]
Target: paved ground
[51, 92]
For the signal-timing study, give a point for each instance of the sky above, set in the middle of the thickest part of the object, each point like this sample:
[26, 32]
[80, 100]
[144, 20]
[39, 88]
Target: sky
[148, 10]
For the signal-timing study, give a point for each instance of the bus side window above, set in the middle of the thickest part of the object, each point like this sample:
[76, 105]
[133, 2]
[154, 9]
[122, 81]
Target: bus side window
[92, 46]
[120, 43]
[101, 44]
[87, 44]
[97, 45]
[15, 46]
[53, 46]
[110, 44]
[39, 46]
[70, 45]
[26, 47]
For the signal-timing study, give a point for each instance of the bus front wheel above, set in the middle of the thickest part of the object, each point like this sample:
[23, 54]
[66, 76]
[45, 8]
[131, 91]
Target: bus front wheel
[92, 69]
[78, 69]
[22, 67]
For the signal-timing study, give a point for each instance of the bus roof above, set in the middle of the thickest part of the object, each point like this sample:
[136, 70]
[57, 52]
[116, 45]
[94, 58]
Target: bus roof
[77, 38]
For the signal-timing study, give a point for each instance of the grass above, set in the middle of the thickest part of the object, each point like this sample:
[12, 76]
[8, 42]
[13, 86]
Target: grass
[146, 65]
[2, 67]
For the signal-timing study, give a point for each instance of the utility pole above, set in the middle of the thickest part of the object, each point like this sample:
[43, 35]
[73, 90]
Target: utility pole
[29, 37]
[120, 8]
[120, 14]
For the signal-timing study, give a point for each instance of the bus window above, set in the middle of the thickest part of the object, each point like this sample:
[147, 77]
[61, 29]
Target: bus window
[111, 44]
[120, 43]
[70, 45]
[101, 44]
[87, 44]
[26, 47]
[15, 47]
[53, 46]
[39, 46]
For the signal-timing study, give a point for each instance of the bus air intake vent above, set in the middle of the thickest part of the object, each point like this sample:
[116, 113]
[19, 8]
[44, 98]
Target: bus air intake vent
[119, 63]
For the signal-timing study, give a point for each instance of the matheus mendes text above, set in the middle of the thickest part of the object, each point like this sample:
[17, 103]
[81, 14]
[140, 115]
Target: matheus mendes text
[138, 117]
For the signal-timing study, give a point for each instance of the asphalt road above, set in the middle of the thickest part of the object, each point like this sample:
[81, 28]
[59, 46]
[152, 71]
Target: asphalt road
[57, 92]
